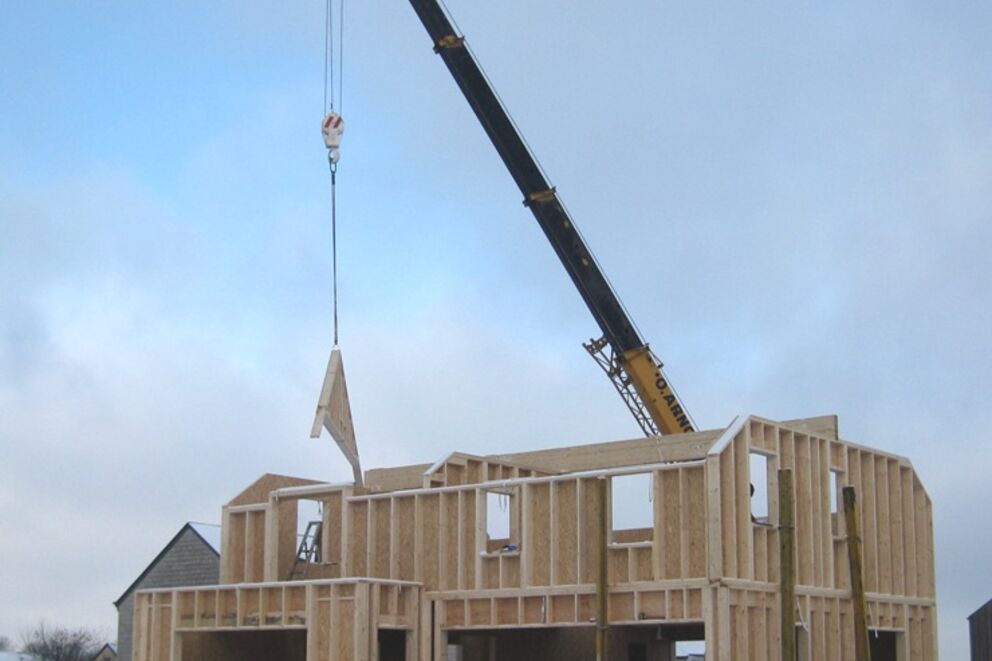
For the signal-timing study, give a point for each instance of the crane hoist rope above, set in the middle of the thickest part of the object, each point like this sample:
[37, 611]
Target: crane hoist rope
[332, 129]
[329, 65]
[333, 407]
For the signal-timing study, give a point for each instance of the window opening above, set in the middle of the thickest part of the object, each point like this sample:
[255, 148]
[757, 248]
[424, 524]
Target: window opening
[309, 521]
[835, 505]
[392, 645]
[499, 505]
[631, 502]
[759, 488]
[682, 641]
[835, 484]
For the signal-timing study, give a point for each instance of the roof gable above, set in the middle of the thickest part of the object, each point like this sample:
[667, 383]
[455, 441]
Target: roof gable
[106, 646]
[986, 607]
[161, 554]
[259, 490]
[209, 533]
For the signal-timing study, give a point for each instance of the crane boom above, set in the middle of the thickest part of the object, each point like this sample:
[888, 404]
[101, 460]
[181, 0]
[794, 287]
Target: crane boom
[635, 371]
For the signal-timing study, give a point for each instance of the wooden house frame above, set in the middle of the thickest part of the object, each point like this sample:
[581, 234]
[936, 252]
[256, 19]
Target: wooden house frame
[408, 569]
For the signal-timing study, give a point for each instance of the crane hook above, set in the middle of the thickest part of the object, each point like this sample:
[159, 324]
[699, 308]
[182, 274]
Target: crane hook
[332, 128]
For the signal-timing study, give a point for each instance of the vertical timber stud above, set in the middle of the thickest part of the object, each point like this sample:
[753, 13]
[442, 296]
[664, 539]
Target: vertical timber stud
[787, 563]
[176, 649]
[862, 651]
[602, 602]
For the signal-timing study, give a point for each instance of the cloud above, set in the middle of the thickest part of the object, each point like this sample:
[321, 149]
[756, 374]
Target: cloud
[792, 203]
[131, 407]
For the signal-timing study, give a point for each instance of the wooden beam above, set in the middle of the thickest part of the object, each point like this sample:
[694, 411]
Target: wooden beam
[602, 589]
[862, 651]
[678, 447]
[787, 565]
[824, 425]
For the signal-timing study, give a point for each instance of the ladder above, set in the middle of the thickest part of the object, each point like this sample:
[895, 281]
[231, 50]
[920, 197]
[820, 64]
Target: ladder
[309, 551]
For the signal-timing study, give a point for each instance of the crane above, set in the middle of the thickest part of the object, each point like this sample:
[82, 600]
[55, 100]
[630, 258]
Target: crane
[635, 372]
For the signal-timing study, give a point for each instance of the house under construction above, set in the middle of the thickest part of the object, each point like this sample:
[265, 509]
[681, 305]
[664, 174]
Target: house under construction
[407, 568]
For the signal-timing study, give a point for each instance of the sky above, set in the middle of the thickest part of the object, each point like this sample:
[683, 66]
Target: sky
[792, 200]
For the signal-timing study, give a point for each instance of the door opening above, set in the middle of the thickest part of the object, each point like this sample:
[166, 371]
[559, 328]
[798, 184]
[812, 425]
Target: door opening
[885, 645]
[392, 645]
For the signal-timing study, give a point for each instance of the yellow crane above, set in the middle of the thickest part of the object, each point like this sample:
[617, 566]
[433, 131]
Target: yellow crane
[634, 370]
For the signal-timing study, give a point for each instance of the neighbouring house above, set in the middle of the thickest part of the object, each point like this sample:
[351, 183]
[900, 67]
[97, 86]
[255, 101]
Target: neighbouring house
[107, 653]
[980, 629]
[192, 557]
[495, 557]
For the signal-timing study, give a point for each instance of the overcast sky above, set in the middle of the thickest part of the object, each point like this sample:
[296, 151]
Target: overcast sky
[794, 202]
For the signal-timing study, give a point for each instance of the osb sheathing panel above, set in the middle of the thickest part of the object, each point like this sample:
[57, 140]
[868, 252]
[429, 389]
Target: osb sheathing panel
[895, 510]
[393, 479]
[259, 490]
[825, 426]
[703, 535]
[340, 618]
[438, 535]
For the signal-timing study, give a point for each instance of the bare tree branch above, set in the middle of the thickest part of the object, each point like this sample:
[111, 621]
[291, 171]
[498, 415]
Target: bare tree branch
[60, 643]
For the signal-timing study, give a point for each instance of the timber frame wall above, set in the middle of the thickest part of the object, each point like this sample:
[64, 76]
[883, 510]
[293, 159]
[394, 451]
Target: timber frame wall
[410, 551]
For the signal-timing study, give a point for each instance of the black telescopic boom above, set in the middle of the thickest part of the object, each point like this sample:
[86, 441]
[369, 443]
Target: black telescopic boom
[539, 196]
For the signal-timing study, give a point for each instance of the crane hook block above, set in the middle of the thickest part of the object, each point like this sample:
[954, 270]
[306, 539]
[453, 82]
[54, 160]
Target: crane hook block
[332, 129]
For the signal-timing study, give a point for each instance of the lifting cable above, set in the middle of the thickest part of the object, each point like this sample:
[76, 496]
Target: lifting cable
[334, 245]
[332, 127]
[330, 75]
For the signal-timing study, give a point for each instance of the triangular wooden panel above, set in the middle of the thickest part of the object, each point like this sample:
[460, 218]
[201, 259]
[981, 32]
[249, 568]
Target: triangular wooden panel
[334, 413]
